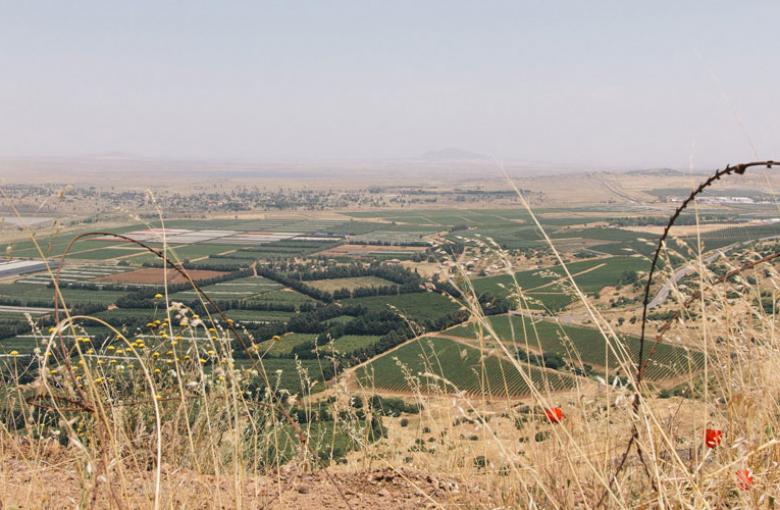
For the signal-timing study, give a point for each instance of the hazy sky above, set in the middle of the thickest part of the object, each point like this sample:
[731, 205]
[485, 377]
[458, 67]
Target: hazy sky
[577, 82]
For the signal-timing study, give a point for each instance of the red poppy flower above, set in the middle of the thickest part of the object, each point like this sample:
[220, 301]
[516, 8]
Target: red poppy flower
[554, 414]
[744, 479]
[712, 437]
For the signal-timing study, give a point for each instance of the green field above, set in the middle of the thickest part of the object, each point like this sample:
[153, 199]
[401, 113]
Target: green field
[585, 344]
[192, 251]
[254, 289]
[285, 344]
[392, 236]
[72, 273]
[591, 276]
[359, 282]
[237, 289]
[20, 314]
[107, 253]
[358, 228]
[280, 296]
[283, 373]
[258, 315]
[348, 344]
[32, 293]
[132, 313]
[25, 343]
[510, 228]
[461, 365]
[54, 245]
[416, 306]
[341, 319]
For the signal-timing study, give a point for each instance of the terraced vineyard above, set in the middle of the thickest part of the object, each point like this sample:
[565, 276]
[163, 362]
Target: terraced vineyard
[587, 345]
[461, 365]
[417, 305]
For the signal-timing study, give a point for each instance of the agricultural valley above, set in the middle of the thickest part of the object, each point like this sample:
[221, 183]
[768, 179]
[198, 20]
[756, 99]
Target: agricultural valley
[361, 318]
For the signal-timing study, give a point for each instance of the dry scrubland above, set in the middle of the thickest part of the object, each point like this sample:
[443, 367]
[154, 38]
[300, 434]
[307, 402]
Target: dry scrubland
[187, 427]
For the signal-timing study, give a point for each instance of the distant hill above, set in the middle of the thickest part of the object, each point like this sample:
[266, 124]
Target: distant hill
[660, 172]
[451, 153]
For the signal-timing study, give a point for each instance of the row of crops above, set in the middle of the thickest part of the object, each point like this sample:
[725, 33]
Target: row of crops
[586, 345]
[435, 364]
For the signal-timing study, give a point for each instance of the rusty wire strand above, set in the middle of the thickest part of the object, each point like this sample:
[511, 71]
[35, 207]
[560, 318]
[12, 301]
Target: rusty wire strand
[738, 169]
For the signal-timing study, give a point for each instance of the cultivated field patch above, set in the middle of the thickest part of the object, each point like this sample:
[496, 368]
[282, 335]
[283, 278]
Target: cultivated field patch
[417, 306]
[443, 365]
[74, 274]
[586, 346]
[348, 344]
[361, 250]
[37, 295]
[590, 275]
[258, 316]
[359, 282]
[393, 237]
[285, 344]
[156, 276]
[173, 235]
[235, 289]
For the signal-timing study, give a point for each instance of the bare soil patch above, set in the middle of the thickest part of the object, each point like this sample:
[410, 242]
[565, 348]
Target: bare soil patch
[46, 476]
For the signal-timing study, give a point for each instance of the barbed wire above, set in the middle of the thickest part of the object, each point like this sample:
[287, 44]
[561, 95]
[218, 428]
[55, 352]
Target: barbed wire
[738, 169]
